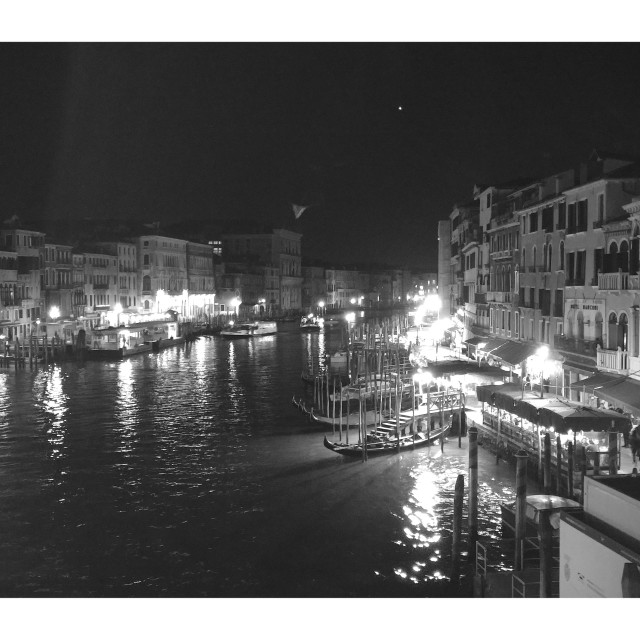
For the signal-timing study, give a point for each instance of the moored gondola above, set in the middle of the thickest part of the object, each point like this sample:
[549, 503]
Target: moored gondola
[384, 444]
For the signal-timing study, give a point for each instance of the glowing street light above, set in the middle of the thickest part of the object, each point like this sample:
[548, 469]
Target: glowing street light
[321, 305]
[54, 313]
[433, 303]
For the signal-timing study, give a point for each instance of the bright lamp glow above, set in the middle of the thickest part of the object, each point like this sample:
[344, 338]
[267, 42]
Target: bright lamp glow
[54, 313]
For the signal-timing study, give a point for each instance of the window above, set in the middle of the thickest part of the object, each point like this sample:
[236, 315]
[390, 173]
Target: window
[600, 207]
[581, 223]
[571, 218]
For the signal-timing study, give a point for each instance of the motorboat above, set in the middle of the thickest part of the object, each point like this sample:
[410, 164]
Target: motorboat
[250, 329]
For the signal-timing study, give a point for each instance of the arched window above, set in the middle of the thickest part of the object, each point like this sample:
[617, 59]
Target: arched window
[612, 331]
[146, 283]
[550, 264]
[533, 259]
[623, 332]
[561, 256]
[623, 262]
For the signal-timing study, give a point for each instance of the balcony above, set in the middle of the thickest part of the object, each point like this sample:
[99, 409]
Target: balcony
[500, 296]
[577, 346]
[504, 254]
[613, 360]
[574, 282]
[620, 281]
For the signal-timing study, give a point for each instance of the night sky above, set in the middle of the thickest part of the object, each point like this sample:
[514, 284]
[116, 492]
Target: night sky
[382, 139]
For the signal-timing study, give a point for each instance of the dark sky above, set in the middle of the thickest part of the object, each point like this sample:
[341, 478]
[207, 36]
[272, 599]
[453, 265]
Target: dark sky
[240, 131]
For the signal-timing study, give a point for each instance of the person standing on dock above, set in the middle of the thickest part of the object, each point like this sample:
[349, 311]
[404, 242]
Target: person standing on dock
[634, 442]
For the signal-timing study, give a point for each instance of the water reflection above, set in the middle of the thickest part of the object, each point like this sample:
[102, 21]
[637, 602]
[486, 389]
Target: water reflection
[126, 409]
[53, 402]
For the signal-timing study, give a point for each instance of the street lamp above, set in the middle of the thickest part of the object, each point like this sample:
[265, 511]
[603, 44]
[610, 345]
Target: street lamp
[321, 305]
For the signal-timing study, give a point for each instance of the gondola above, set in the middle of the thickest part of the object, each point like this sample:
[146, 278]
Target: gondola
[381, 445]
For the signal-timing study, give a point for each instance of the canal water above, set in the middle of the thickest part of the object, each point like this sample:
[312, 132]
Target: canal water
[190, 473]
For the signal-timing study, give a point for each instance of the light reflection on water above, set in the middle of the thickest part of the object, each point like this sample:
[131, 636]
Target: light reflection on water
[189, 472]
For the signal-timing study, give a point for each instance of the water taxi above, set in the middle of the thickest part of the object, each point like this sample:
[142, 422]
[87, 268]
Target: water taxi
[250, 329]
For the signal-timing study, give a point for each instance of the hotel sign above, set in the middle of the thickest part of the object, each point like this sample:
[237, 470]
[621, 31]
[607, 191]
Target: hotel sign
[586, 305]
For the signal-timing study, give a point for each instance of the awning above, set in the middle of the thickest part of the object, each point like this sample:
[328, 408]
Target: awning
[514, 353]
[599, 379]
[565, 416]
[490, 344]
[475, 341]
[624, 393]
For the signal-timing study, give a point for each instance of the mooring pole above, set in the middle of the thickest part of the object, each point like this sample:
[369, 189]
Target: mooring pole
[547, 463]
[545, 539]
[613, 451]
[521, 508]
[570, 470]
[558, 466]
[457, 530]
[473, 489]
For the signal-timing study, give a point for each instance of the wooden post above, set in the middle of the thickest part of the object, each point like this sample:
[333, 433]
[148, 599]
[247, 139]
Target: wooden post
[473, 489]
[570, 470]
[348, 412]
[498, 438]
[413, 410]
[540, 472]
[521, 508]
[596, 463]
[583, 472]
[460, 420]
[341, 402]
[429, 413]
[333, 413]
[457, 530]
[558, 466]
[398, 407]
[613, 452]
[545, 539]
[547, 463]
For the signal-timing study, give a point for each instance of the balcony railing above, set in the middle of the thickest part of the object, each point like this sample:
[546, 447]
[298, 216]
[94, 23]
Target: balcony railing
[576, 345]
[620, 281]
[574, 282]
[500, 296]
[614, 360]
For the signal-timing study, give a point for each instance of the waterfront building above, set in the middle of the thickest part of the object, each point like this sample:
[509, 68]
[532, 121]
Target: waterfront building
[21, 303]
[343, 287]
[464, 229]
[100, 287]
[56, 279]
[162, 274]
[201, 287]
[279, 249]
[246, 282]
[9, 296]
[444, 265]
[600, 321]
[314, 289]
[126, 252]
